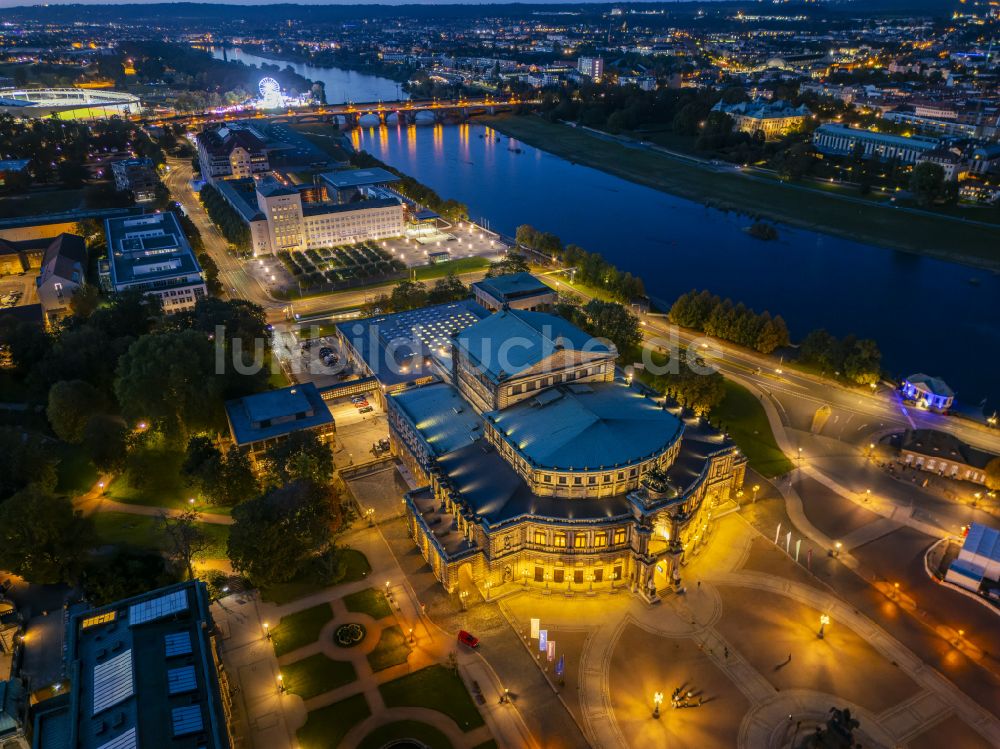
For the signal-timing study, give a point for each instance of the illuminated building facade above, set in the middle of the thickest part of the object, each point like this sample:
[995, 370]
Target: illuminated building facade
[539, 464]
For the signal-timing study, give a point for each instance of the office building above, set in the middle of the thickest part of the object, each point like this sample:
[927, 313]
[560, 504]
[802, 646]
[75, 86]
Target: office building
[592, 66]
[151, 253]
[839, 140]
[232, 152]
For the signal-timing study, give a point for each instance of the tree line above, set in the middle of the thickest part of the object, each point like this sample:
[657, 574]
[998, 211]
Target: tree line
[591, 268]
[735, 323]
[223, 215]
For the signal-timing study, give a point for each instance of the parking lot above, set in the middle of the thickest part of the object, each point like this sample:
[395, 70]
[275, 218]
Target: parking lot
[17, 291]
[320, 361]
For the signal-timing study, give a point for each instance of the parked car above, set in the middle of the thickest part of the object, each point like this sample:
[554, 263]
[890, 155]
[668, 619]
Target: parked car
[366, 410]
[468, 639]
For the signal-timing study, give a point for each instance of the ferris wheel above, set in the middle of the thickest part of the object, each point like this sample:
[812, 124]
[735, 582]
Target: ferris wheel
[270, 91]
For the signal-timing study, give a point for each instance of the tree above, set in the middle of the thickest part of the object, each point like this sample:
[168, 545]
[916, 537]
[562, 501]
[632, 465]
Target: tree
[773, 334]
[224, 479]
[301, 455]
[42, 538]
[992, 472]
[71, 405]
[127, 573]
[105, 440]
[862, 364]
[169, 379]
[274, 536]
[612, 321]
[408, 295]
[927, 183]
[84, 301]
[698, 392]
[238, 481]
[202, 464]
[185, 537]
[511, 263]
[24, 461]
[447, 289]
[818, 348]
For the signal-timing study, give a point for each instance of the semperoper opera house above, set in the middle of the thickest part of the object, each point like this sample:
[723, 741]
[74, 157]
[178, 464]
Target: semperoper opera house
[538, 463]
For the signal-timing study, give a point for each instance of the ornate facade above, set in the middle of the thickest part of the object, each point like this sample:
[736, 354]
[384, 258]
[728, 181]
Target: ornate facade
[540, 467]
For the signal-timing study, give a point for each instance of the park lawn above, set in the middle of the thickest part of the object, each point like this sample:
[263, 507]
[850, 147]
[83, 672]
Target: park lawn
[406, 729]
[327, 726]
[436, 688]
[457, 266]
[299, 629]
[793, 204]
[146, 532]
[161, 485]
[316, 675]
[356, 568]
[392, 649]
[369, 601]
[744, 418]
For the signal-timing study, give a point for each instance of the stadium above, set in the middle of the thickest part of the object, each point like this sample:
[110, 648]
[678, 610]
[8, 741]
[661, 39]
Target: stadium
[68, 103]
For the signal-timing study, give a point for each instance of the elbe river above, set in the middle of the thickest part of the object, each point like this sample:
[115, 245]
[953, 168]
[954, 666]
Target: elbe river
[926, 315]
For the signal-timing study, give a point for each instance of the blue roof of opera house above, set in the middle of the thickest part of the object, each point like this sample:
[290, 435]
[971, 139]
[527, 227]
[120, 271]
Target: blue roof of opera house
[512, 341]
[441, 415]
[587, 426]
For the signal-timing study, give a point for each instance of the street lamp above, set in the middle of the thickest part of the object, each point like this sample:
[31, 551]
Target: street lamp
[488, 584]
[267, 631]
[836, 548]
[823, 621]
[739, 496]
[868, 495]
[411, 635]
[657, 699]
[756, 488]
[281, 684]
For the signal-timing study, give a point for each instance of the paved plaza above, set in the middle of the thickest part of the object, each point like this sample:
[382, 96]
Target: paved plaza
[741, 648]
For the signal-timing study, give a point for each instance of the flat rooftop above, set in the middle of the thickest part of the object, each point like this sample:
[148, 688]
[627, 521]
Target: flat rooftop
[148, 249]
[587, 425]
[322, 209]
[401, 347]
[348, 178]
[277, 413]
[513, 286]
[143, 674]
